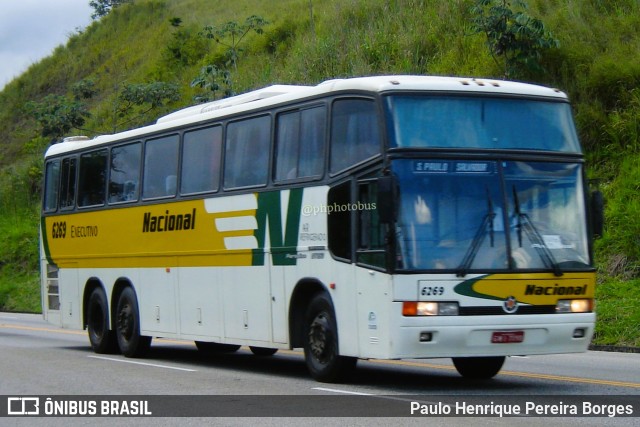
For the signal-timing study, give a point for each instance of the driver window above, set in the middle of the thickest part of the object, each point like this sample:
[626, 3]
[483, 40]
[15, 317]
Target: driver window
[371, 232]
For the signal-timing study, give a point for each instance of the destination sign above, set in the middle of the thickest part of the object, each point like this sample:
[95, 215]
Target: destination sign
[453, 167]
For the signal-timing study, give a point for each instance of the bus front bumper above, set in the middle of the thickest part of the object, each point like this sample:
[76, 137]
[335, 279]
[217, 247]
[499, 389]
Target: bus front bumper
[471, 336]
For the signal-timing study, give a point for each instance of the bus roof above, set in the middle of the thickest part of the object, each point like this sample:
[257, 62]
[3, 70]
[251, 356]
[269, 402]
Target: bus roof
[277, 94]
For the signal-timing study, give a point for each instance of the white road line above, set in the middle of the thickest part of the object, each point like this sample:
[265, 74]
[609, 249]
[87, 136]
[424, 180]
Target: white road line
[142, 363]
[399, 398]
[333, 390]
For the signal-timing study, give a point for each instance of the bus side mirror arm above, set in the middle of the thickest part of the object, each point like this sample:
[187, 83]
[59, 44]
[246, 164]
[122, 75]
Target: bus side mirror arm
[596, 208]
[386, 207]
[387, 199]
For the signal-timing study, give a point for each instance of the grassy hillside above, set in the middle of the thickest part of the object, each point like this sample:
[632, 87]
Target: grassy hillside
[597, 63]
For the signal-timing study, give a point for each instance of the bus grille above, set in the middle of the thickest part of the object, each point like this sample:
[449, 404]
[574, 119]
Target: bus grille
[498, 311]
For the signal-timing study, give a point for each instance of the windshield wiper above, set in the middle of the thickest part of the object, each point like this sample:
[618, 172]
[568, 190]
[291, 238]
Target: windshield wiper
[537, 242]
[487, 222]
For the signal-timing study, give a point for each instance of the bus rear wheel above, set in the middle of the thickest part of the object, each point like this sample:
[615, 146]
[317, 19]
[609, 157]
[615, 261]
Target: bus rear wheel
[131, 343]
[102, 339]
[478, 367]
[321, 351]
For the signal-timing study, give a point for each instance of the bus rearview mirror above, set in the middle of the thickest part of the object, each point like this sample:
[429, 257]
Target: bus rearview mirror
[597, 213]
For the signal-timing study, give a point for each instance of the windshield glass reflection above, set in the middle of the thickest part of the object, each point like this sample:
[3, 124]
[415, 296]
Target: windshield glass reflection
[452, 216]
[420, 121]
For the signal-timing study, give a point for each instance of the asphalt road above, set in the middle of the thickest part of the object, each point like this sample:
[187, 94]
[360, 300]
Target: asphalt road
[38, 359]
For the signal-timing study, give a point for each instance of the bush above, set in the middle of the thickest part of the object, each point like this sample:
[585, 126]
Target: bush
[620, 247]
[612, 80]
[19, 272]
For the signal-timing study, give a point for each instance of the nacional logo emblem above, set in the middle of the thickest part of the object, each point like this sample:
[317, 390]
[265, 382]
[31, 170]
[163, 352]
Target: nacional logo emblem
[510, 305]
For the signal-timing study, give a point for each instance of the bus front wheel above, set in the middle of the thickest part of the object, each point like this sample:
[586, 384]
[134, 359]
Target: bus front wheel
[321, 343]
[102, 339]
[131, 343]
[478, 367]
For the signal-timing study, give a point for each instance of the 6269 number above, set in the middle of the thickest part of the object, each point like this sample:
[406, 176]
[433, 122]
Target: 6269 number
[432, 290]
[59, 230]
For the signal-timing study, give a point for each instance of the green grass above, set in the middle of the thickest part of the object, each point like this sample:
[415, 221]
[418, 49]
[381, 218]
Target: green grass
[618, 313]
[19, 272]
[20, 292]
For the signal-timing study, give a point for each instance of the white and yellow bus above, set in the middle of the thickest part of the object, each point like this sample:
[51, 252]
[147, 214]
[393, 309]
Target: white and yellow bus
[383, 217]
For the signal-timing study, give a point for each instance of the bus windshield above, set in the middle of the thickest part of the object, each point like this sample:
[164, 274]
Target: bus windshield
[425, 121]
[465, 215]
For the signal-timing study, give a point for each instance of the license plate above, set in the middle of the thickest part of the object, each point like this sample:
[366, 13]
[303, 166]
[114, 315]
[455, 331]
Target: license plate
[507, 337]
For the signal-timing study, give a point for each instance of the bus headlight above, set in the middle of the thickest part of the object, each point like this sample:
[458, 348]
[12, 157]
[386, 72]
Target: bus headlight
[429, 308]
[574, 306]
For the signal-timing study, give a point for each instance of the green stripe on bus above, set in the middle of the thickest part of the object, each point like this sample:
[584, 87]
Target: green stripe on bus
[284, 244]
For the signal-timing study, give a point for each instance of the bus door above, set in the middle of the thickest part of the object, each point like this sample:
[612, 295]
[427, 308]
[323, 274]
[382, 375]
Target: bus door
[50, 293]
[70, 313]
[278, 303]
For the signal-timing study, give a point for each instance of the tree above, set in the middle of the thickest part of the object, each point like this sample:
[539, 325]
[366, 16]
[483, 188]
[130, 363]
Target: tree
[57, 115]
[514, 38]
[103, 7]
[212, 79]
[231, 34]
[136, 100]
[312, 21]
[186, 46]
[84, 89]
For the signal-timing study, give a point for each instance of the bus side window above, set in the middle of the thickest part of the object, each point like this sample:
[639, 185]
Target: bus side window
[339, 221]
[287, 146]
[125, 173]
[93, 176]
[246, 158]
[201, 153]
[312, 138]
[51, 186]
[300, 141]
[161, 167]
[355, 133]
[68, 183]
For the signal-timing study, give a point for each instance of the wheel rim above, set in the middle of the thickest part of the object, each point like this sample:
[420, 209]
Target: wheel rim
[318, 338]
[125, 321]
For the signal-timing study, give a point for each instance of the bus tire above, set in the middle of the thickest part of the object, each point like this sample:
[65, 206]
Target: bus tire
[131, 343]
[321, 351]
[478, 367]
[214, 347]
[103, 340]
[263, 351]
